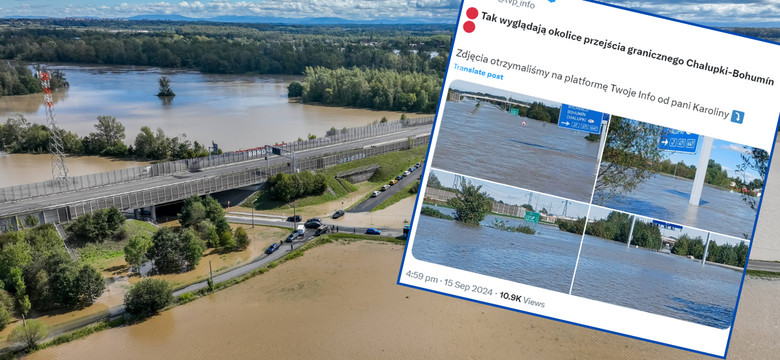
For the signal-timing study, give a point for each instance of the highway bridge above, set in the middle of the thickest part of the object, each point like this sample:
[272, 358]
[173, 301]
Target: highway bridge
[150, 186]
[458, 96]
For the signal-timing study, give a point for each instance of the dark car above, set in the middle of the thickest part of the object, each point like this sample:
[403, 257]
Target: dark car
[314, 219]
[373, 231]
[272, 248]
[312, 224]
[399, 177]
[296, 218]
[338, 214]
[324, 229]
[293, 236]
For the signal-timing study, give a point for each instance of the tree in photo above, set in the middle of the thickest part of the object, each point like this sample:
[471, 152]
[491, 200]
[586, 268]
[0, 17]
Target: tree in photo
[165, 87]
[630, 153]
[755, 160]
[471, 204]
[295, 89]
[90, 284]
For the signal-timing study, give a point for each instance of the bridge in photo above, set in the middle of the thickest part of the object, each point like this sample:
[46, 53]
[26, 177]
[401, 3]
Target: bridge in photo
[459, 96]
[162, 183]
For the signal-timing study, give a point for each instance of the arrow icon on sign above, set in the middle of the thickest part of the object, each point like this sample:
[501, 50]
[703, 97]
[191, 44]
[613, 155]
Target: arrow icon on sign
[566, 123]
[665, 142]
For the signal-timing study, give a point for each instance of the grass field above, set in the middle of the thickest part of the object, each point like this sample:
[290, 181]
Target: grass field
[99, 254]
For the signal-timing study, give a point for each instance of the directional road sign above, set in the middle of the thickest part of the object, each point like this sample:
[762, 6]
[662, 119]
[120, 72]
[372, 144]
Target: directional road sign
[582, 119]
[532, 216]
[515, 111]
[677, 140]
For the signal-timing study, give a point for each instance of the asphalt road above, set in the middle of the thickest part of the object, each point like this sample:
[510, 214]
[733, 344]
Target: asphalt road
[57, 200]
[763, 265]
[370, 203]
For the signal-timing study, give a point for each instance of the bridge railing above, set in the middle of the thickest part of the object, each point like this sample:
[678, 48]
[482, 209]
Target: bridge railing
[77, 183]
[250, 176]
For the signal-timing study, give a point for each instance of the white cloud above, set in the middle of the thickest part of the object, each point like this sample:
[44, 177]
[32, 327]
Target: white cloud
[737, 148]
[444, 10]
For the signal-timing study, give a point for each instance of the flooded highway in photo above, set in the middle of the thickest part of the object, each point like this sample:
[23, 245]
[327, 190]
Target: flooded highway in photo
[538, 156]
[666, 198]
[656, 282]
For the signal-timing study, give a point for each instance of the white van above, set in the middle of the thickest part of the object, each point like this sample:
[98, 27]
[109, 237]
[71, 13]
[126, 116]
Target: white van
[301, 229]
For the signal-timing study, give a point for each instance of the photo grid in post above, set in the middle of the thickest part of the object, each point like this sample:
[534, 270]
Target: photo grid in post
[588, 204]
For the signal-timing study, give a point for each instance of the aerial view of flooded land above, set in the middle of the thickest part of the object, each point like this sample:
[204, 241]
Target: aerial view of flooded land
[479, 137]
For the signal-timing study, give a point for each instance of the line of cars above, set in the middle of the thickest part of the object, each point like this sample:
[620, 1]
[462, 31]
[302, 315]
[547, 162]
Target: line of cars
[396, 180]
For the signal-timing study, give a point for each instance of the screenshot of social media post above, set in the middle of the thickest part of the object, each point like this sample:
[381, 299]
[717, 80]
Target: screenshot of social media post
[608, 179]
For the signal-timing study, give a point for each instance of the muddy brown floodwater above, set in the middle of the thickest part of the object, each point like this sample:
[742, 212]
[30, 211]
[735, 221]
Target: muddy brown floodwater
[341, 301]
[17, 169]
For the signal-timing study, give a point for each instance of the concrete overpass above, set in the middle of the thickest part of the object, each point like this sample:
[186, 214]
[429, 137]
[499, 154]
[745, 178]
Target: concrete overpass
[175, 181]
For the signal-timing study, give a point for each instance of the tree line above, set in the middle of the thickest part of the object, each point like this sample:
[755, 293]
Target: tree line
[617, 226]
[724, 254]
[17, 135]
[374, 89]
[18, 79]
[270, 50]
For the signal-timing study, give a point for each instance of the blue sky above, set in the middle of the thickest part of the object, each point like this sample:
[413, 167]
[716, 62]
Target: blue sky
[722, 12]
[725, 153]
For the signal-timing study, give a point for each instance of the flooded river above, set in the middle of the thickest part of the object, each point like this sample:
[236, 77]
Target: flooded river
[234, 111]
[492, 144]
[20, 169]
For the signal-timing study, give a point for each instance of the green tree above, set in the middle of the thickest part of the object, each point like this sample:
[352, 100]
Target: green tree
[30, 334]
[135, 250]
[756, 160]
[166, 251]
[295, 89]
[192, 212]
[90, 284]
[471, 204]
[433, 182]
[241, 237]
[165, 87]
[192, 248]
[630, 153]
[147, 297]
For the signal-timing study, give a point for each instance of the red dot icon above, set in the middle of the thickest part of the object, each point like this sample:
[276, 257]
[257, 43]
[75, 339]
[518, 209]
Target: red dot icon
[469, 26]
[472, 13]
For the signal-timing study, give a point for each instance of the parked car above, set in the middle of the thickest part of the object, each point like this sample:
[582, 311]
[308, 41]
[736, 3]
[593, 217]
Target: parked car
[296, 218]
[338, 214]
[293, 236]
[373, 231]
[375, 194]
[398, 178]
[300, 229]
[417, 165]
[385, 187]
[393, 182]
[406, 173]
[314, 219]
[272, 248]
[312, 224]
[324, 229]
[412, 169]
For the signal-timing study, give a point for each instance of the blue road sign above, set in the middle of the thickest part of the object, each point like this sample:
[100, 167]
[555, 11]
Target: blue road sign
[577, 118]
[677, 140]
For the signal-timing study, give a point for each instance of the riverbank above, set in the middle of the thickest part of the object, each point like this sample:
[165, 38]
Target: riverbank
[340, 301]
[20, 169]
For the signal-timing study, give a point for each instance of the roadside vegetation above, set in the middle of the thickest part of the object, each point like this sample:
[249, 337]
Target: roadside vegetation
[390, 165]
[429, 211]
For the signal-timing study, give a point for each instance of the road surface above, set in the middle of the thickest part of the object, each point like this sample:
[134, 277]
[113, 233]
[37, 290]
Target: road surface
[372, 202]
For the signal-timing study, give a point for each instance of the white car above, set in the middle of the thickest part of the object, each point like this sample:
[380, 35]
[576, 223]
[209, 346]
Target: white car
[375, 194]
[385, 187]
[406, 173]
